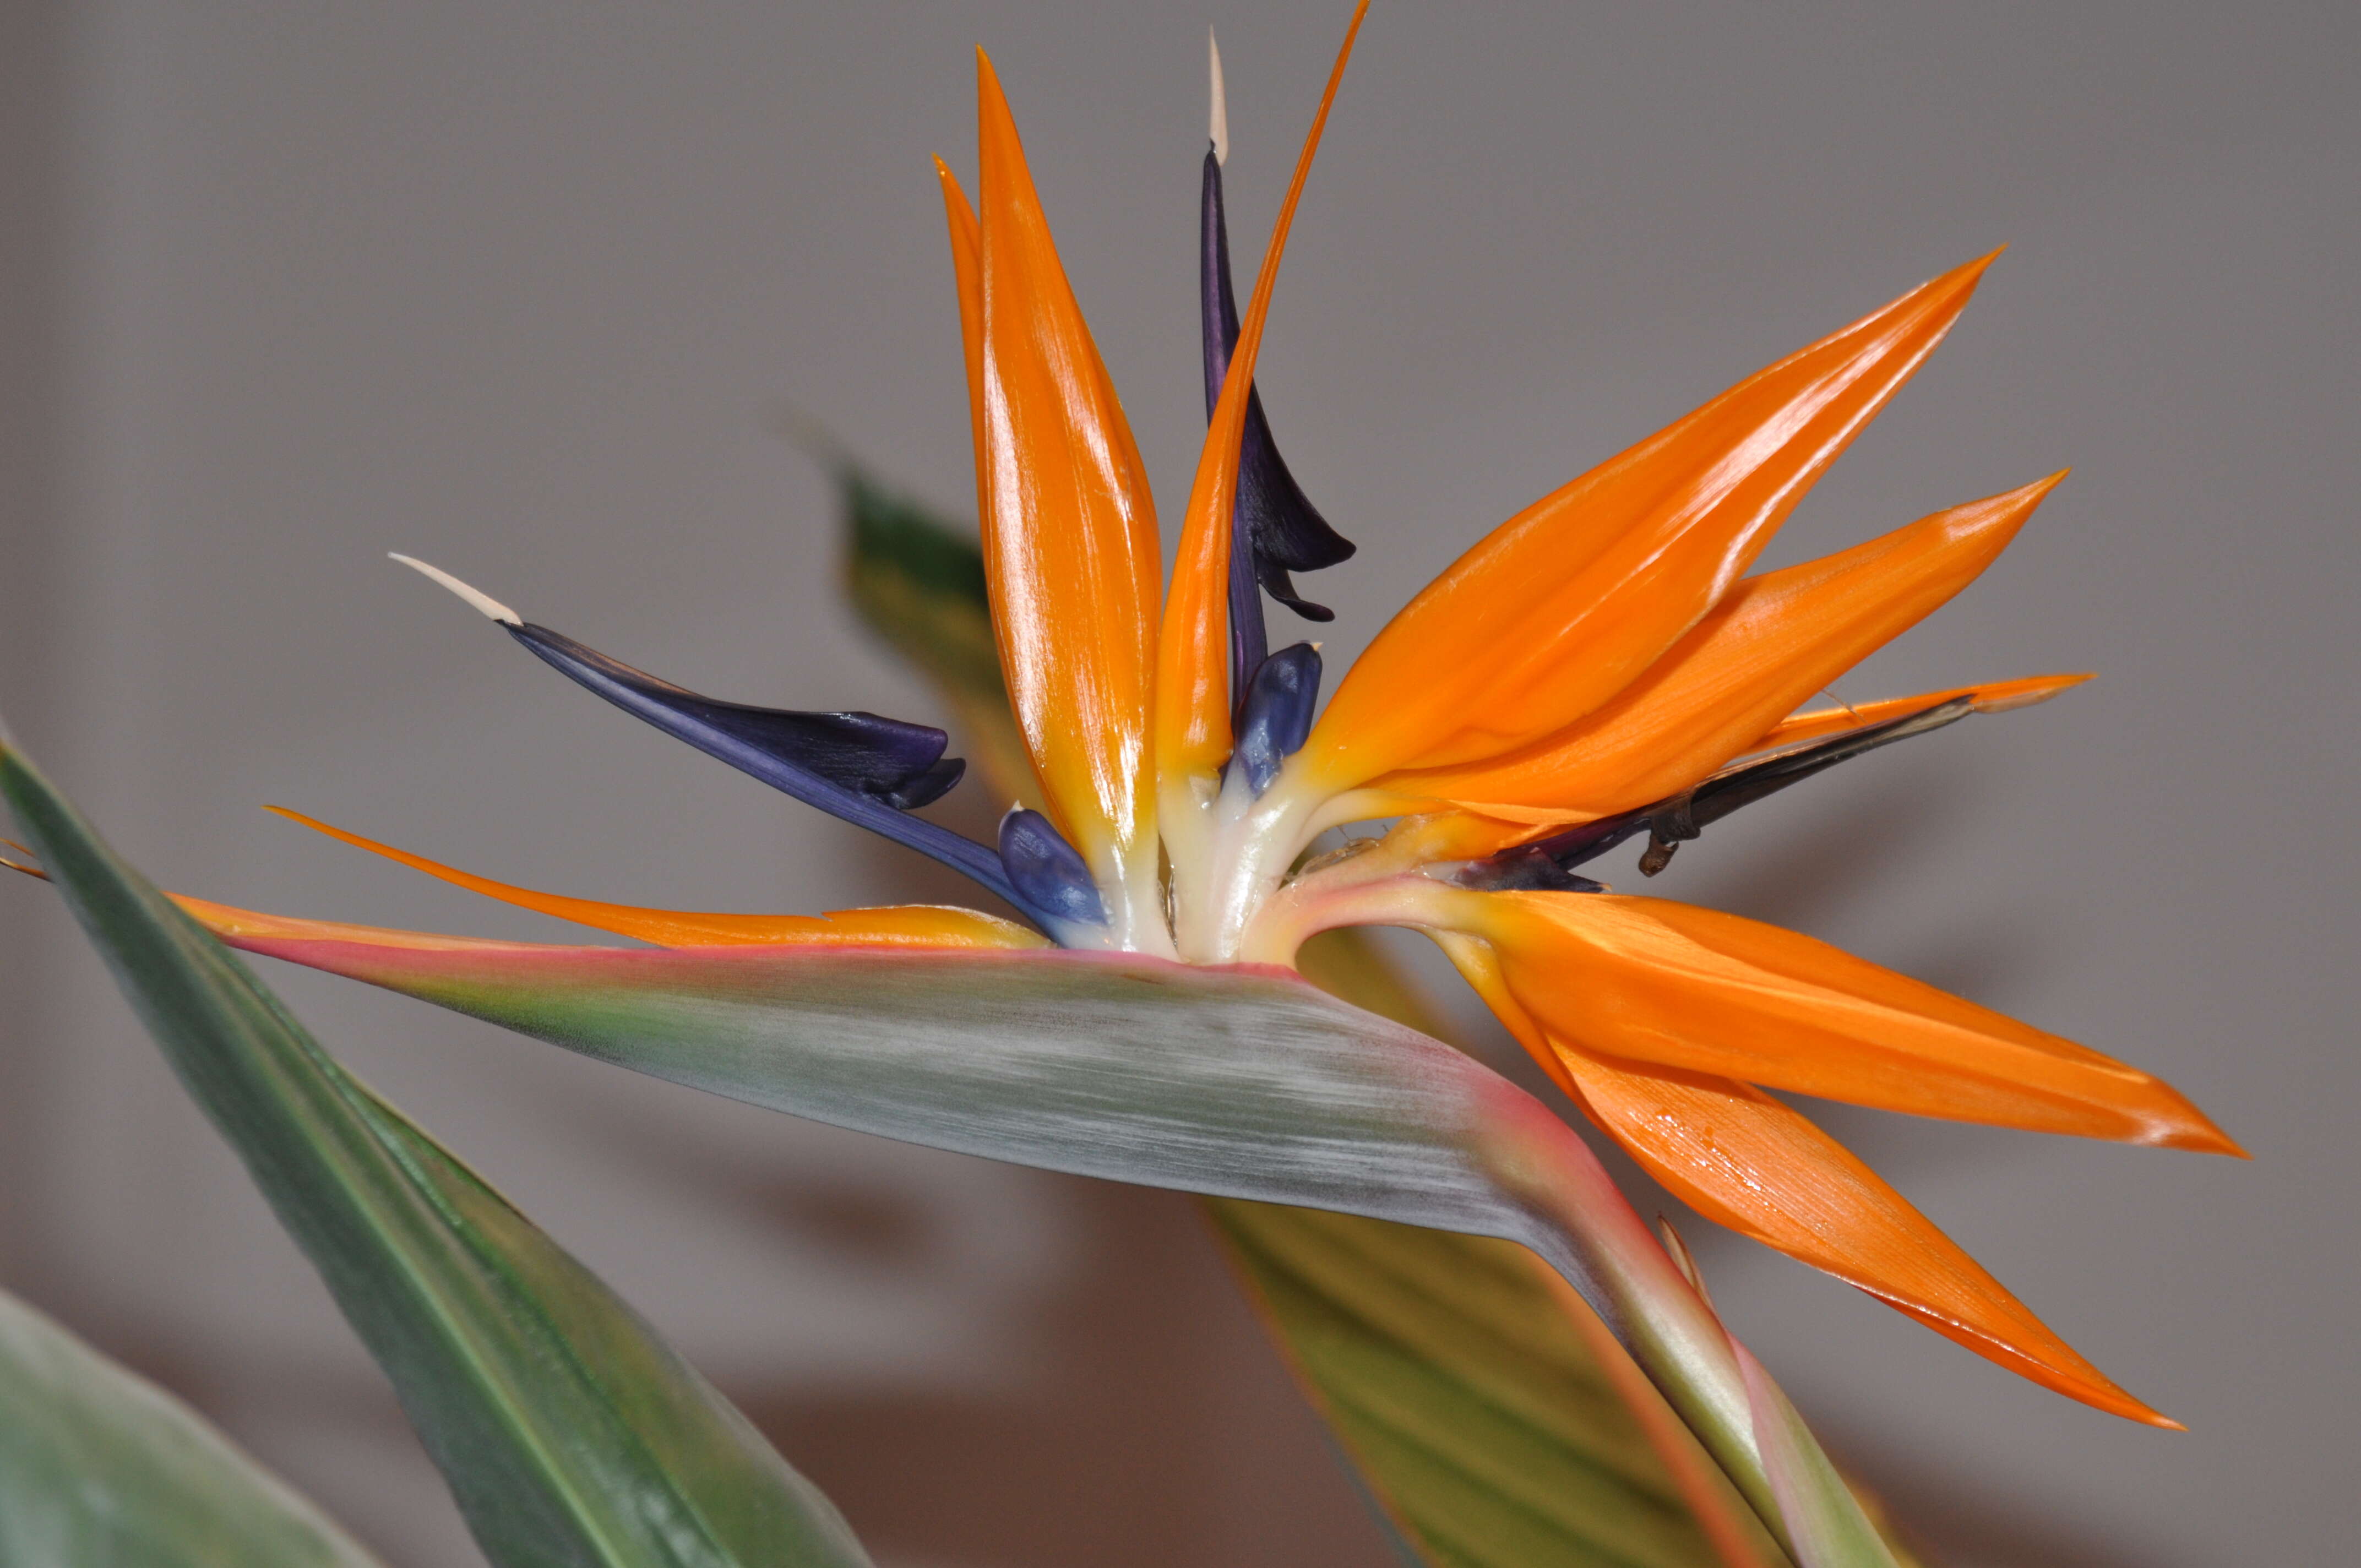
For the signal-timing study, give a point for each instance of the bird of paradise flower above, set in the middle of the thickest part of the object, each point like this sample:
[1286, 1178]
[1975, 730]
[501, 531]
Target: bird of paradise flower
[1598, 669]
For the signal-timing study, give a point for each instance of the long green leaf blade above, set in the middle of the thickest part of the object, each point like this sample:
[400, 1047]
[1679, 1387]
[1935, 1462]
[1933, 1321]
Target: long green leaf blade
[99, 1468]
[1244, 1081]
[569, 1432]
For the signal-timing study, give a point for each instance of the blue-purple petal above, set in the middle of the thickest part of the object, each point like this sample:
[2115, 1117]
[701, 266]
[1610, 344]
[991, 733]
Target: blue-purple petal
[1675, 819]
[1275, 718]
[1275, 529]
[1049, 875]
[858, 766]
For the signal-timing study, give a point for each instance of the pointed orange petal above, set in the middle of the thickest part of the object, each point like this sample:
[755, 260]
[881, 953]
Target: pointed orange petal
[1993, 696]
[915, 925]
[1193, 695]
[1679, 986]
[967, 274]
[1743, 1159]
[1565, 604]
[1070, 549]
[1772, 643]
[234, 925]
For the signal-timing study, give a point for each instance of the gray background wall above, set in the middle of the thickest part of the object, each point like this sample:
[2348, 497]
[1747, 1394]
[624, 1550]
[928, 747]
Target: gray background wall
[512, 288]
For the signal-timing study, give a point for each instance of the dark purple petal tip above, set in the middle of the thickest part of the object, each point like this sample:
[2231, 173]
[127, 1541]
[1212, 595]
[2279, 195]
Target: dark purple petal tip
[1672, 821]
[865, 768]
[1525, 869]
[1275, 719]
[1048, 874]
[1277, 530]
[899, 763]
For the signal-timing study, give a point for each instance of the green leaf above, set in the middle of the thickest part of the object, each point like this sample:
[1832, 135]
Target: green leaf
[1482, 1417]
[99, 1468]
[570, 1433]
[1444, 1363]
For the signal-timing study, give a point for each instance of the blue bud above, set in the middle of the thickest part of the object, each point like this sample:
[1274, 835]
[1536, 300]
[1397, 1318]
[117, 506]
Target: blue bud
[1050, 878]
[1275, 719]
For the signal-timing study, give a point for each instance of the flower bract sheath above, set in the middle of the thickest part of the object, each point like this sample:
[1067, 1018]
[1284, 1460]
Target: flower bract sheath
[1600, 667]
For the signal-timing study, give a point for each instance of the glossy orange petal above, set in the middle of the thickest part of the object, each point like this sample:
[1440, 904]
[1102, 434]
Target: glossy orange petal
[1566, 603]
[1771, 642]
[1678, 986]
[1745, 1160]
[1193, 695]
[1070, 549]
[1993, 696]
[914, 925]
[967, 275]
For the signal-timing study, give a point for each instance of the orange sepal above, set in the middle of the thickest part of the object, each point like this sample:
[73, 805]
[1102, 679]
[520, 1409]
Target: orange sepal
[1565, 604]
[231, 924]
[1772, 641]
[1745, 1160]
[1993, 696]
[1193, 695]
[1674, 985]
[1070, 549]
[967, 277]
[911, 925]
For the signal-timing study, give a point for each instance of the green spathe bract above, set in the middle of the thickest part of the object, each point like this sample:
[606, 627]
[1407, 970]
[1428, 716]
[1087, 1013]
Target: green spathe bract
[1499, 1437]
[570, 1433]
[100, 1467]
[1236, 1081]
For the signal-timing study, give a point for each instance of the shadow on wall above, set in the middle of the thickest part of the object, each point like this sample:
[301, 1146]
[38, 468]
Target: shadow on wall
[1959, 1526]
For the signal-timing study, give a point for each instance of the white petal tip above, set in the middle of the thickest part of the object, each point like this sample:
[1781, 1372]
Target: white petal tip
[1218, 121]
[482, 601]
